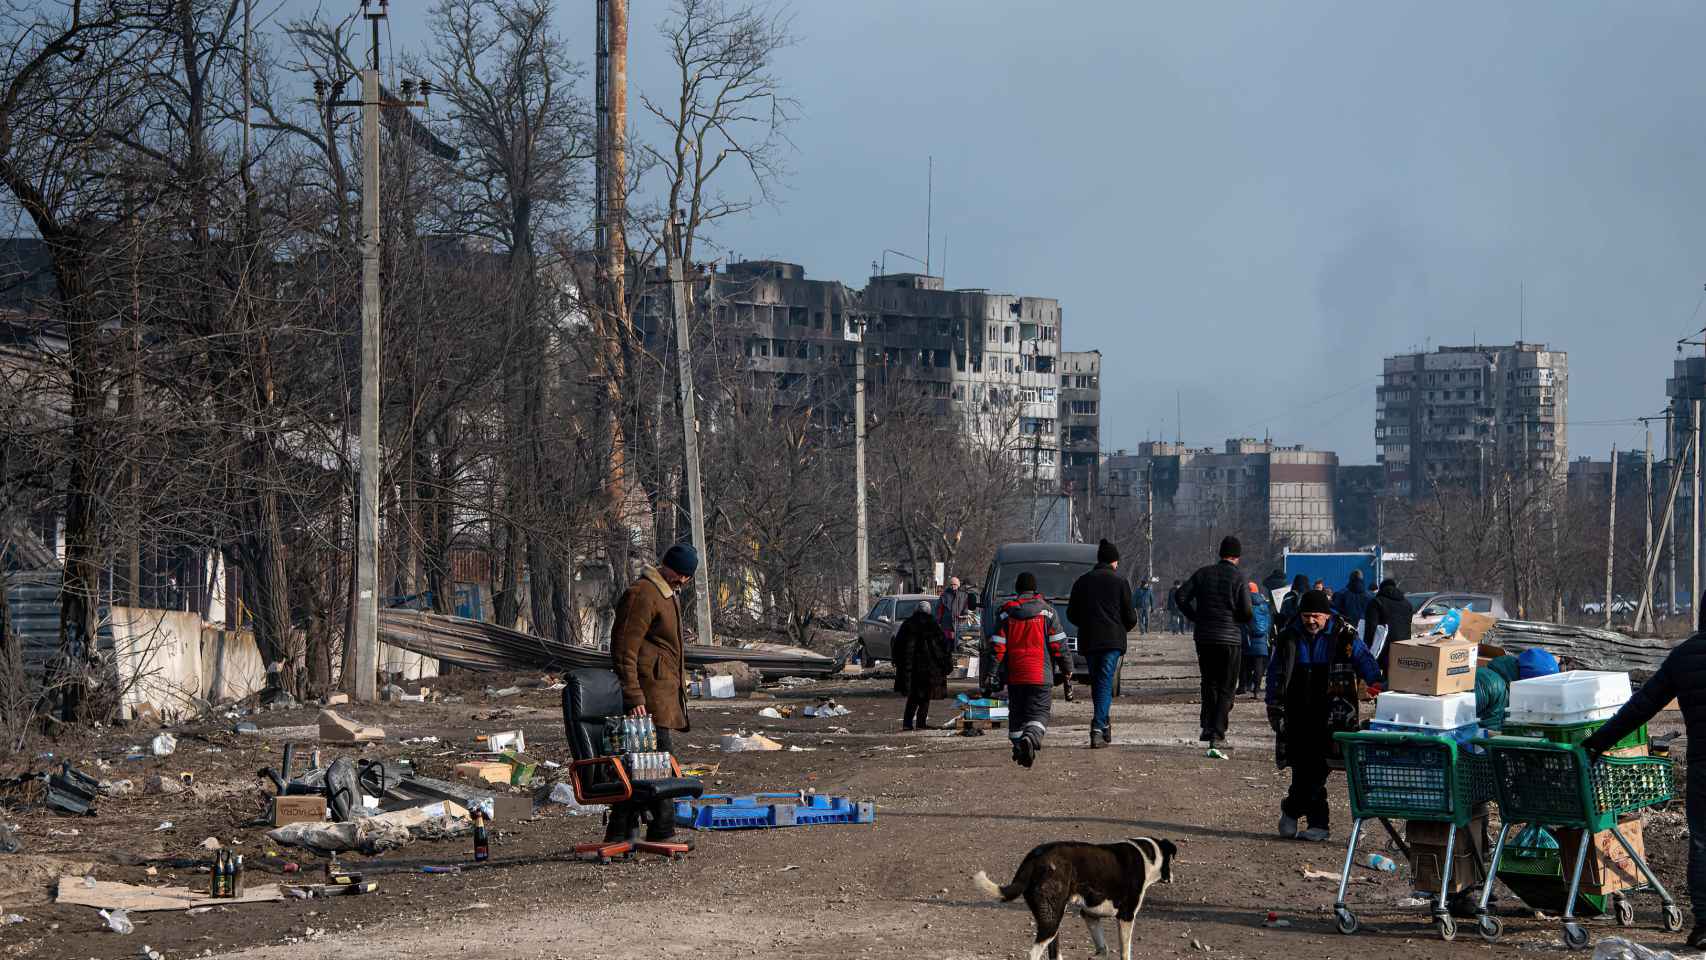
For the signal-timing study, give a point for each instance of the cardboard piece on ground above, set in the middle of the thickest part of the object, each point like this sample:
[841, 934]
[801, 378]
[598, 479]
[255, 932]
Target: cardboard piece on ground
[110, 895]
[27, 879]
[511, 807]
[297, 809]
[339, 729]
[1473, 626]
[1432, 669]
[1609, 867]
[484, 771]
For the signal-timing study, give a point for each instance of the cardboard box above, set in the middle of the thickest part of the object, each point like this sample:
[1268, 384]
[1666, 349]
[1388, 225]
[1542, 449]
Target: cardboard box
[1474, 626]
[1427, 853]
[505, 808]
[1638, 750]
[1417, 666]
[1609, 867]
[485, 771]
[310, 809]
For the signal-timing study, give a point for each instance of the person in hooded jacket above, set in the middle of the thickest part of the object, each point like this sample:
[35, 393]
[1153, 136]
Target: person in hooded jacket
[1392, 610]
[1216, 599]
[1493, 682]
[1312, 694]
[922, 661]
[1288, 610]
[1352, 603]
[1029, 649]
[1257, 633]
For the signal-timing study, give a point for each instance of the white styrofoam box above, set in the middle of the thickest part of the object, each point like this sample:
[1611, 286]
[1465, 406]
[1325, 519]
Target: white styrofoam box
[721, 688]
[1573, 697]
[1446, 712]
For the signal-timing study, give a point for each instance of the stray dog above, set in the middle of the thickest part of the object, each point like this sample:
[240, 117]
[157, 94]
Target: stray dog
[1102, 879]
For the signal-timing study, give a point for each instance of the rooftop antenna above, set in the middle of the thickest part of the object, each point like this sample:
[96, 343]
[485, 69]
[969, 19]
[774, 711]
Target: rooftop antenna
[1521, 312]
[929, 209]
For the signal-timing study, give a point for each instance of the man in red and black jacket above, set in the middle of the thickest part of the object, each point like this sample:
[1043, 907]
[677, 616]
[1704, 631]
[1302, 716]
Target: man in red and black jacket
[1029, 646]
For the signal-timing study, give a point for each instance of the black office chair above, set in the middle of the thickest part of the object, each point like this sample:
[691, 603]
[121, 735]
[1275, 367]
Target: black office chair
[589, 698]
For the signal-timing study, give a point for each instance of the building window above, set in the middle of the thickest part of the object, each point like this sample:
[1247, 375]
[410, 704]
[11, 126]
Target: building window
[1007, 334]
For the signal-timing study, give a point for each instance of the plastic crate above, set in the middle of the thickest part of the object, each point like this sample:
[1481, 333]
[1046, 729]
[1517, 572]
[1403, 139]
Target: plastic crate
[1572, 734]
[1407, 776]
[760, 811]
[1463, 735]
[1577, 696]
[1448, 712]
[1535, 872]
[1553, 784]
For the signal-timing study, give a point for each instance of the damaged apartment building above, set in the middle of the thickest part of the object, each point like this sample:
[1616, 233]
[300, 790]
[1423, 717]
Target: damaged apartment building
[1251, 485]
[989, 362]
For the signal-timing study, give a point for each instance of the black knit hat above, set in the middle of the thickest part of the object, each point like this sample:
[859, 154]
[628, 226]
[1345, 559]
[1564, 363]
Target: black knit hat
[682, 558]
[1107, 552]
[1315, 601]
[1231, 549]
[1026, 583]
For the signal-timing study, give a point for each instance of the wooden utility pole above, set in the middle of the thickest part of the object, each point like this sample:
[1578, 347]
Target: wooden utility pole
[862, 549]
[610, 228]
[1666, 525]
[1646, 602]
[680, 292]
[1149, 520]
[1611, 542]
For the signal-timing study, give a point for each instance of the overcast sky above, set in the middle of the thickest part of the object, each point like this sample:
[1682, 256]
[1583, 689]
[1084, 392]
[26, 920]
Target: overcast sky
[1248, 205]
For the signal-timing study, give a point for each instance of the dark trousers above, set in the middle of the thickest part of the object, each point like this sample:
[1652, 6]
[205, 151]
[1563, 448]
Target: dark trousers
[1219, 665]
[1307, 798]
[1028, 706]
[1253, 673]
[1696, 806]
[917, 709]
[1142, 620]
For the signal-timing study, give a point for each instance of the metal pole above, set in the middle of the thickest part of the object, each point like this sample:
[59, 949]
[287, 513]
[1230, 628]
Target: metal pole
[862, 572]
[690, 428]
[1646, 541]
[362, 684]
[1149, 519]
[1611, 541]
[1694, 531]
[1675, 461]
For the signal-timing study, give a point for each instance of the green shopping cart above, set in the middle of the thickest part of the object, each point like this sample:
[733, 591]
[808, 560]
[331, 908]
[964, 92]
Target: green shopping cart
[1411, 776]
[1554, 785]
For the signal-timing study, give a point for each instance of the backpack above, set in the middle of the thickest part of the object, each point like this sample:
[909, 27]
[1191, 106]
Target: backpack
[1262, 619]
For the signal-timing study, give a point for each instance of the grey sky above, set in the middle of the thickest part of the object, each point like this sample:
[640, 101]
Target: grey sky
[1252, 203]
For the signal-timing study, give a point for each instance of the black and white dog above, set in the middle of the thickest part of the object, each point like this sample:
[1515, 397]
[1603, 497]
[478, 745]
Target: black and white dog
[1101, 879]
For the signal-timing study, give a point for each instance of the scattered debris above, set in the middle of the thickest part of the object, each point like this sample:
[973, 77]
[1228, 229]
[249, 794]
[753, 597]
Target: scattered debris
[337, 729]
[336, 699]
[72, 791]
[163, 745]
[116, 788]
[10, 919]
[118, 921]
[828, 708]
[743, 743]
[505, 740]
[770, 713]
[124, 898]
[164, 825]
[9, 842]
[1310, 873]
[149, 953]
[368, 835]
[246, 727]
[505, 692]
[212, 843]
[484, 771]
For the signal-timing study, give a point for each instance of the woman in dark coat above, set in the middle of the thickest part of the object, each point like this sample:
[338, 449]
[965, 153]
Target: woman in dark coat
[921, 664]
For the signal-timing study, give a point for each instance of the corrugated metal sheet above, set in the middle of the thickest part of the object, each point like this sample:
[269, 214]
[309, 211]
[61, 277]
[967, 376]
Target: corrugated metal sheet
[34, 602]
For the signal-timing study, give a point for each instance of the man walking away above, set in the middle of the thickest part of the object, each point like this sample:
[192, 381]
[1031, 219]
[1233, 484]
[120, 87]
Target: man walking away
[1144, 599]
[1682, 677]
[1288, 609]
[1390, 610]
[1312, 694]
[1175, 616]
[1273, 581]
[949, 609]
[1352, 604]
[646, 651]
[1102, 609]
[1217, 602]
[921, 663]
[1028, 643]
[1256, 636]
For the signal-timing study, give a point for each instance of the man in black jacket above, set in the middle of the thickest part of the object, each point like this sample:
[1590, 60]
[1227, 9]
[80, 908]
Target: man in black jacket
[1102, 609]
[1392, 610]
[1682, 677]
[1217, 602]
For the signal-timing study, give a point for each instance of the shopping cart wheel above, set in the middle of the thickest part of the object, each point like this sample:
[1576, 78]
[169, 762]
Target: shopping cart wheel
[1447, 925]
[1490, 927]
[1345, 920]
[1625, 912]
[1673, 917]
[1574, 936]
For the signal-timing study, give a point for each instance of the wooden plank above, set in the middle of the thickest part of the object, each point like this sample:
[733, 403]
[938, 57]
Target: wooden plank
[111, 895]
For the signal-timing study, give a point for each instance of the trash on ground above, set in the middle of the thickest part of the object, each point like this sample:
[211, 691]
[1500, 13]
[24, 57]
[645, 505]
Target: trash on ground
[72, 791]
[246, 727]
[212, 843]
[506, 692]
[744, 743]
[339, 729]
[117, 788]
[1410, 903]
[765, 810]
[368, 835]
[1310, 873]
[125, 898]
[564, 794]
[149, 953]
[827, 709]
[164, 825]
[163, 745]
[1617, 948]
[10, 919]
[502, 741]
[157, 785]
[118, 921]
[770, 713]
[9, 842]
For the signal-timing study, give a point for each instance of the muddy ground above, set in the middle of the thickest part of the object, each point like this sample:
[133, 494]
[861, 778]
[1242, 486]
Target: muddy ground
[947, 807]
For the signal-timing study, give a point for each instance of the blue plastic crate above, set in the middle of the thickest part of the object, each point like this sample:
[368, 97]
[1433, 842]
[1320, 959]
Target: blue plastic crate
[763, 810]
[1462, 735]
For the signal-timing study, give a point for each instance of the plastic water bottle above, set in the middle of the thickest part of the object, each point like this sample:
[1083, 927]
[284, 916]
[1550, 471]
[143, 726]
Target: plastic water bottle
[1383, 864]
[1617, 948]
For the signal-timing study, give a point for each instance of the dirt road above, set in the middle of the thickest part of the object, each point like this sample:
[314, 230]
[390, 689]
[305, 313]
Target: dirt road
[948, 807]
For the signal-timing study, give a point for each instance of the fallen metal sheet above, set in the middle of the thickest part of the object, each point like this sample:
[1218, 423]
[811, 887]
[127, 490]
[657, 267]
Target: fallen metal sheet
[476, 645]
[1589, 647]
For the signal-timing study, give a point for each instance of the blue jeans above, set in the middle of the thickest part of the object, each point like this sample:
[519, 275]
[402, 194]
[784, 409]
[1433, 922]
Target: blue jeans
[1104, 667]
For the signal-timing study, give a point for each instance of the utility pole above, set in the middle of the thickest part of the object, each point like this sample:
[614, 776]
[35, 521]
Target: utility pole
[1149, 519]
[1694, 531]
[1650, 568]
[862, 561]
[1611, 541]
[361, 672]
[680, 292]
[1676, 462]
[1646, 602]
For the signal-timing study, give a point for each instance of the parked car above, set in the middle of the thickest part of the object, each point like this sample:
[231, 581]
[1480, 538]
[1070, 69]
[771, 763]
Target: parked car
[1419, 600]
[1438, 605]
[1620, 607]
[878, 627]
[1056, 566]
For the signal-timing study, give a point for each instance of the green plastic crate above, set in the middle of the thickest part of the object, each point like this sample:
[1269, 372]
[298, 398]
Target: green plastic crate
[1536, 874]
[1407, 776]
[1573, 734]
[1553, 784]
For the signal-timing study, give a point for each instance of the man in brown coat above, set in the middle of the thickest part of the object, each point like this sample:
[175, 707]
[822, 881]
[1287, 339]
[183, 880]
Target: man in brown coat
[645, 647]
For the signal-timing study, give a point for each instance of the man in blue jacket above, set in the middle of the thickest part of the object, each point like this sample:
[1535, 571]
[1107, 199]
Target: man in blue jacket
[1256, 635]
[1313, 694]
